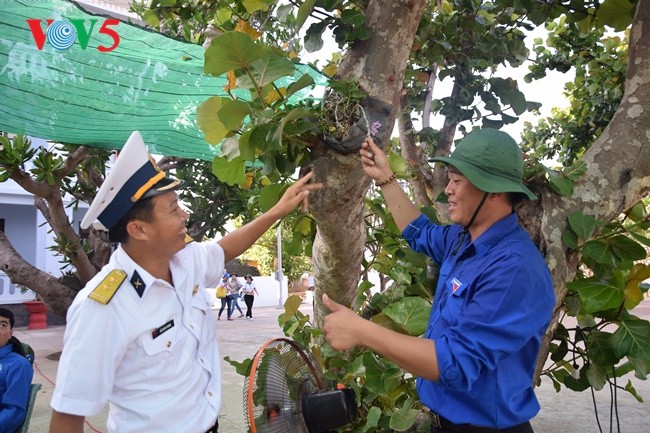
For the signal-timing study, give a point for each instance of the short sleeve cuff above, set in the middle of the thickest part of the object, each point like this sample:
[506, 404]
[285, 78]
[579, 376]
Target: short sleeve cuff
[75, 407]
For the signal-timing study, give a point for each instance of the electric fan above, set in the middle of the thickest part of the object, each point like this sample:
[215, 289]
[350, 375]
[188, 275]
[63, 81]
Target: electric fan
[284, 391]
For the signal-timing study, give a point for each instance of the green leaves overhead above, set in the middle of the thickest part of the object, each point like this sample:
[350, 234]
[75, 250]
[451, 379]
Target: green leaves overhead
[266, 70]
[219, 116]
[230, 51]
[632, 338]
[229, 172]
[597, 296]
[616, 14]
[583, 225]
[411, 312]
[304, 10]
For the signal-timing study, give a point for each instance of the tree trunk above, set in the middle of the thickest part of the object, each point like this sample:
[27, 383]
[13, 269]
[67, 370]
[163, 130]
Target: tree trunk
[618, 170]
[58, 297]
[422, 175]
[378, 63]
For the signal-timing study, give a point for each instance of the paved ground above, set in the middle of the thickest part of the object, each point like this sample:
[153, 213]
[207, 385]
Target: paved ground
[564, 412]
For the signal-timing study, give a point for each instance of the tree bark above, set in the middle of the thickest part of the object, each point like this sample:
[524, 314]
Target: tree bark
[57, 297]
[379, 64]
[58, 219]
[618, 170]
[421, 173]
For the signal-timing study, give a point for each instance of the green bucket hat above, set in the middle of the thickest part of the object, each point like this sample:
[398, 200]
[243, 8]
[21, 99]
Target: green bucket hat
[491, 160]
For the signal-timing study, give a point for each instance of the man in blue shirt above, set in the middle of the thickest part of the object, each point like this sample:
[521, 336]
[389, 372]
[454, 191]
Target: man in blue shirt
[15, 376]
[494, 298]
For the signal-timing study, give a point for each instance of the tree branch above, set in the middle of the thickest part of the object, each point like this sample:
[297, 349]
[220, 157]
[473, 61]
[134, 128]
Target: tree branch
[422, 173]
[72, 161]
[57, 296]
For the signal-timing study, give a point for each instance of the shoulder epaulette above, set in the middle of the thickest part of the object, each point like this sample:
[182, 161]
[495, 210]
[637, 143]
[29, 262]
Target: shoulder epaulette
[105, 290]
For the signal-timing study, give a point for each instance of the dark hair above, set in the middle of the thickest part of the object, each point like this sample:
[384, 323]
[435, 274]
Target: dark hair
[9, 315]
[514, 198]
[142, 210]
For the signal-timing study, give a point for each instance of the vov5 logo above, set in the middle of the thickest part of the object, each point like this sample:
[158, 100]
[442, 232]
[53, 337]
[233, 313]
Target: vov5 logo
[61, 35]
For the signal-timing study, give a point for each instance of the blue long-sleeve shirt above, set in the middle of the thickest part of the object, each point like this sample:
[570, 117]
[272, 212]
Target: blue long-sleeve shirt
[493, 303]
[15, 380]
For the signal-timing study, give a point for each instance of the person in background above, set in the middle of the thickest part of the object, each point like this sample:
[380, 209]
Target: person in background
[226, 300]
[15, 375]
[249, 292]
[140, 335]
[494, 297]
[235, 287]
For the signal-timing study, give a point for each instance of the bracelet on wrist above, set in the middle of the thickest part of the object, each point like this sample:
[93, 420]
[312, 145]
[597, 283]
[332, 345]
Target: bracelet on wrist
[387, 181]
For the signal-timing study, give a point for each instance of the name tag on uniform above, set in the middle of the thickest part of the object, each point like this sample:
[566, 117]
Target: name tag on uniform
[162, 329]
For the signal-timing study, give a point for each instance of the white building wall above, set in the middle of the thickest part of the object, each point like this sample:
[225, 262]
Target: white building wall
[27, 231]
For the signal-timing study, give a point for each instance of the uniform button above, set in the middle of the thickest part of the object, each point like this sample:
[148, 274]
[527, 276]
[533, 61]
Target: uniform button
[169, 344]
[202, 361]
[209, 394]
[192, 326]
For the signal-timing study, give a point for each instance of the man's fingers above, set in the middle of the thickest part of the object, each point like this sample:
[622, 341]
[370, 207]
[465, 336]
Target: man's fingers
[331, 305]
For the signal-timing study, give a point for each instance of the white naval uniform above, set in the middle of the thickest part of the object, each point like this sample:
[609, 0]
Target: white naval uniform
[171, 383]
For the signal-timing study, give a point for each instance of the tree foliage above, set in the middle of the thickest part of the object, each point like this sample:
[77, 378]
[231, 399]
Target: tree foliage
[594, 243]
[468, 41]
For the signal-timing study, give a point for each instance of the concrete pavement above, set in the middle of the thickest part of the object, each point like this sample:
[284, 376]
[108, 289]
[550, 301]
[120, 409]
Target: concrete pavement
[564, 412]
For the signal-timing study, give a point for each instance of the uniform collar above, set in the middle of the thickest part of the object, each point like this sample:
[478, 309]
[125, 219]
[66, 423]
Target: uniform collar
[495, 233]
[134, 272]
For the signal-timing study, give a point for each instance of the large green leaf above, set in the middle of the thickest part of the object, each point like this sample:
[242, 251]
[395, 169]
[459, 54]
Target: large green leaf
[597, 296]
[626, 248]
[616, 14]
[231, 51]
[583, 225]
[255, 5]
[403, 418]
[372, 419]
[412, 312]
[632, 338]
[296, 113]
[266, 70]
[600, 348]
[518, 102]
[601, 251]
[304, 81]
[304, 11]
[246, 147]
[374, 373]
[219, 116]
[270, 195]
[596, 376]
[231, 172]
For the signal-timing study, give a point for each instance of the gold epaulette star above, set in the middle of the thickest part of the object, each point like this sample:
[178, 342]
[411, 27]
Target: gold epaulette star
[107, 288]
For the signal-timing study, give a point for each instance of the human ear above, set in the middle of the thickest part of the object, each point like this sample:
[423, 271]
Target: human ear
[136, 229]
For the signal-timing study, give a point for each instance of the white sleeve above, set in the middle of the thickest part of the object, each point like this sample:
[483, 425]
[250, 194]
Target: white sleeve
[93, 346]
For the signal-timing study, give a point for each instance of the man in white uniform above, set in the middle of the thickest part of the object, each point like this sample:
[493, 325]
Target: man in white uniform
[141, 335]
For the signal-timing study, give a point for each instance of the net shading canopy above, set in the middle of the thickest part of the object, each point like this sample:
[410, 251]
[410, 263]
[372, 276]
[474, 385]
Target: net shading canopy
[93, 97]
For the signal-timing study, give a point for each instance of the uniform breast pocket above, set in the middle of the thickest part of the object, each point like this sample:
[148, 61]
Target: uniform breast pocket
[159, 347]
[202, 316]
[455, 293]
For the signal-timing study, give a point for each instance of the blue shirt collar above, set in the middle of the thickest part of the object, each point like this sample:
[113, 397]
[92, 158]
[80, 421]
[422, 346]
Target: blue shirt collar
[495, 233]
[7, 348]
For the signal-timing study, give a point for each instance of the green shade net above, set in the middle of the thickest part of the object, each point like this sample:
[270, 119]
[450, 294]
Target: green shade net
[150, 83]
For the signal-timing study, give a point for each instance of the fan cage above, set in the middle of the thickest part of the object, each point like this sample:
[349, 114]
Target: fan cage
[281, 372]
